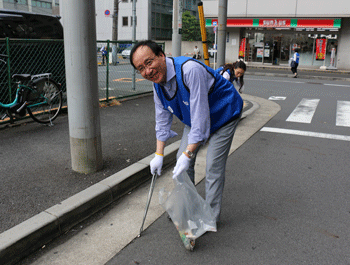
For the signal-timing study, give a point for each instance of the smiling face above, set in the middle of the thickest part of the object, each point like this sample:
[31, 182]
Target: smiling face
[150, 66]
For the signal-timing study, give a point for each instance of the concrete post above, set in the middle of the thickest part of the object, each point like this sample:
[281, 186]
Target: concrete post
[133, 40]
[82, 85]
[222, 22]
[177, 28]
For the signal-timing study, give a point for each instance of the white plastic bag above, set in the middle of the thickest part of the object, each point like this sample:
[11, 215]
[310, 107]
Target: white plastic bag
[290, 62]
[190, 213]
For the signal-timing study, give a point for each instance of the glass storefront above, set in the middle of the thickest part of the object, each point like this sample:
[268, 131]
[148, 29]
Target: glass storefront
[276, 47]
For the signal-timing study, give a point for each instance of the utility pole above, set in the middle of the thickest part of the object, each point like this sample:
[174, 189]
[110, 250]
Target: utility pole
[177, 28]
[133, 40]
[115, 20]
[82, 86]
[222, 21]
[115, 45]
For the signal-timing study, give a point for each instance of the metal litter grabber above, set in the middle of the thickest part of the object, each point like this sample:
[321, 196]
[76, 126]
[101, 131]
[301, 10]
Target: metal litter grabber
[154, 177]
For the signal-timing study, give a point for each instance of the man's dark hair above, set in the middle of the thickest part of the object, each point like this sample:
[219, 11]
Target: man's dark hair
[157, 50]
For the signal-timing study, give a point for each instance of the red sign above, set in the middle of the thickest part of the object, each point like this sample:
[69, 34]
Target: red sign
[274, 23]
[242, 48]
[321, 49]
[315, 23]
[239, 22]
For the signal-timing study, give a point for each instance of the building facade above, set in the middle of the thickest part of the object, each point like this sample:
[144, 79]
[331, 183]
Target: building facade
[46, 7]
[268, 32]
[153, 18]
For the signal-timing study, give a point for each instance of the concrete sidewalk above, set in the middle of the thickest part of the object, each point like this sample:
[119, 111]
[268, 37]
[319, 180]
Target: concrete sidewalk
[97, 240]
[304, 72]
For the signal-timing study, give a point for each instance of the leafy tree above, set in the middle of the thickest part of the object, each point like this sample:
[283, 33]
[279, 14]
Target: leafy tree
[191, 30]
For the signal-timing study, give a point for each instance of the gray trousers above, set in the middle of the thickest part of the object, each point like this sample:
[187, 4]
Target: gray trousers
[219, 145]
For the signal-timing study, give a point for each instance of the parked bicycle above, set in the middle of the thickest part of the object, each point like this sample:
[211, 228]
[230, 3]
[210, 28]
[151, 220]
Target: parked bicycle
[38, 95]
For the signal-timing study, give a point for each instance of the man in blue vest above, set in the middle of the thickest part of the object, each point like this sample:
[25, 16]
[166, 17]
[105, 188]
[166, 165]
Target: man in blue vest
[208, 105]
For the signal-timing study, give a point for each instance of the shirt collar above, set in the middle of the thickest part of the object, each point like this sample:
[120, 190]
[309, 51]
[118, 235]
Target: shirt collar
[170, 69]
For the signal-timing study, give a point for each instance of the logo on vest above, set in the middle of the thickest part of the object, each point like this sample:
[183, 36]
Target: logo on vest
[170, 109]
[186, 103]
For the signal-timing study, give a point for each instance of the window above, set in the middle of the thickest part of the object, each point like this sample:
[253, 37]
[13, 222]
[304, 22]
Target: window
[131, 21]
[125, 21]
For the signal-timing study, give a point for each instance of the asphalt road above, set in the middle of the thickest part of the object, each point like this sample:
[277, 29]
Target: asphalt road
[286, 195]
[285, 202]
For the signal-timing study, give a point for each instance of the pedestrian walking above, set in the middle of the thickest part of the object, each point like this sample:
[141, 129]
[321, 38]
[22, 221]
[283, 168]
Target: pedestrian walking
[208, 105]
[104, 54]
[234, 72]
[294, 63]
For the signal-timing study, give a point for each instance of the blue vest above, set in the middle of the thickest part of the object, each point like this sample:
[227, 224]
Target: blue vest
[225, 103]
[297, 58]
[232, 77]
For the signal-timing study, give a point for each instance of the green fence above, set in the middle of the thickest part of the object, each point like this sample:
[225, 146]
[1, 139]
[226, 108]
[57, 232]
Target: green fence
[29, 57]
[116, 79]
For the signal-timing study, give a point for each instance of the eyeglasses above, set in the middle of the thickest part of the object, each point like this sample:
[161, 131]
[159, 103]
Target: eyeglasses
[148, 64]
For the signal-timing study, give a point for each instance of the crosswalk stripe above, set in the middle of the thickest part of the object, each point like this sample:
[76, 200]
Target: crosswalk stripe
[343, 113]
[306, 133]
[304, 112]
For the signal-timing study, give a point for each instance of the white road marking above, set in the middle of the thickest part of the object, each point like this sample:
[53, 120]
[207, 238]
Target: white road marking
[336, 85]
[279, 81]
[277, 98]
[306, 133]
[304, 112]
[295, 82]
[343, 113]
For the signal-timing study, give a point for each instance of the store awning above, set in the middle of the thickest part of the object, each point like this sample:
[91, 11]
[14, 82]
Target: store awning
[277, 23]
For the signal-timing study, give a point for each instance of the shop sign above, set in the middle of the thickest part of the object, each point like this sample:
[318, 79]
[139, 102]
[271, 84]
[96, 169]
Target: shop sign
[274, 23]
[242, 48]
[321, 49]
[267, 53]
[259, 52]
[278, 23]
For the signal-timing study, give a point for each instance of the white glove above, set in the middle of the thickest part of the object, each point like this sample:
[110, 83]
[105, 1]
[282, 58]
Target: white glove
[156, 164]
[182, 164]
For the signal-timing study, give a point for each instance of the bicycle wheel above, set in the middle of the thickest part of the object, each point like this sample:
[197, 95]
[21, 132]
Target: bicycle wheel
[45, 101]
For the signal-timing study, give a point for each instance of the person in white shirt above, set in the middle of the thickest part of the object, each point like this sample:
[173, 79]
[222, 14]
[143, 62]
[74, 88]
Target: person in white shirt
[295, 63]
[208, 105]
[196, 52]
